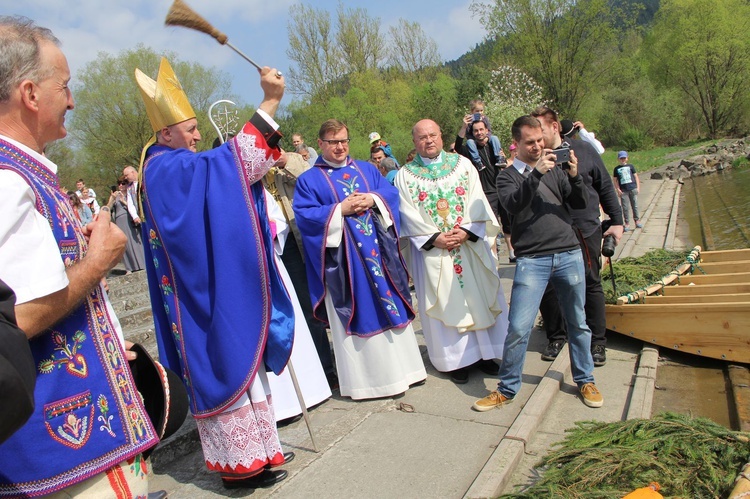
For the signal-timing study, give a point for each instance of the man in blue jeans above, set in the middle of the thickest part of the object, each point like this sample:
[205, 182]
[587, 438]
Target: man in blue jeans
[534, 191]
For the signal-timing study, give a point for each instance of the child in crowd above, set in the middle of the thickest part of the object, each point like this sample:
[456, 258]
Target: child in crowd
[476, 114]
[377, 142]
[627, 185]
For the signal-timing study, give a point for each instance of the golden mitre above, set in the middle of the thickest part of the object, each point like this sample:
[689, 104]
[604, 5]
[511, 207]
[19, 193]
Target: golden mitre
[166, 102]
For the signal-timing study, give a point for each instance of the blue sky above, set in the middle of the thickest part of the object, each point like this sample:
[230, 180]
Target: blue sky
[257, 27]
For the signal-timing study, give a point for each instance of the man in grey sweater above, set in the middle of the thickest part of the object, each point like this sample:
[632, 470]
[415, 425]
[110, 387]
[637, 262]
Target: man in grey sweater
[534, 191]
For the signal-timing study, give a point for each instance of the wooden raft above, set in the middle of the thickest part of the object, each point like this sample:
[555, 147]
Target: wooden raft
[702, 308]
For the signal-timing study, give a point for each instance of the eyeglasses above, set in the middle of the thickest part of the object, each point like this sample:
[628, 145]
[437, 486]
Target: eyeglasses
[424, 138]
[336, 142]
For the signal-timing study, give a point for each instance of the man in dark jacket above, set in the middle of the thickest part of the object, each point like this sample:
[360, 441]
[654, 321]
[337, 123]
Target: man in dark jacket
[601, 191]
[17, 370]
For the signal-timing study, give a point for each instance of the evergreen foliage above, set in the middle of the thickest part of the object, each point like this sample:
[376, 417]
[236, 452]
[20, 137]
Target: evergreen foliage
[688, 457]
[634, 273]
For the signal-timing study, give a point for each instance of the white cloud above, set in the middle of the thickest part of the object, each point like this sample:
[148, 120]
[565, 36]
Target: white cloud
[458, 31]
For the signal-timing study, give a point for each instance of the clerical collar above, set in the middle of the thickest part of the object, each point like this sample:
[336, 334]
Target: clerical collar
[429, 161]
[336, 165]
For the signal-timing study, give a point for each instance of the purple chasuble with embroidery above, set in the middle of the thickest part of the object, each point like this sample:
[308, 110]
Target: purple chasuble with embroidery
[220, 308]
[88, 415]
[365, 274]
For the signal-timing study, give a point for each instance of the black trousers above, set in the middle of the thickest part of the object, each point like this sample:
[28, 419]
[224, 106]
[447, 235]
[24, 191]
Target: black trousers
[595, 318]
[295, 265]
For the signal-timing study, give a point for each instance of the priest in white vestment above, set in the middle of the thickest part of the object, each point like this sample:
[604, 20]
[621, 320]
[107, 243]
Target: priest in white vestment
[447, 230]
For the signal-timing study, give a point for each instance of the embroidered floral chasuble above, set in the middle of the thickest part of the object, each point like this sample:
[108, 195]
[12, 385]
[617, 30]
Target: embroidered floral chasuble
[461, 284]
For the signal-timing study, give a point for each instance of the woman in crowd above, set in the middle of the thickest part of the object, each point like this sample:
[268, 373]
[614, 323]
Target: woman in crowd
[82, 211]
[89, 201]
[118, 206]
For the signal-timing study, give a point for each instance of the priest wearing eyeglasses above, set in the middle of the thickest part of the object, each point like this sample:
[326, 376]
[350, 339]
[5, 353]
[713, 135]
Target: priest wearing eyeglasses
[348, 216]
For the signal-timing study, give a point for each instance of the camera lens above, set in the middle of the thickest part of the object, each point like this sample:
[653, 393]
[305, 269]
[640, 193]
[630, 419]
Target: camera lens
[608, 246]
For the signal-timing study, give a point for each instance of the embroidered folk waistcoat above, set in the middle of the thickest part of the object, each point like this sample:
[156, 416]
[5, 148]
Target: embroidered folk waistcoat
[88, 415]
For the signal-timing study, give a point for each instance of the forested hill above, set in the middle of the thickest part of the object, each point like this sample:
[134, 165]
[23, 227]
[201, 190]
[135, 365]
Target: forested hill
[485, 51]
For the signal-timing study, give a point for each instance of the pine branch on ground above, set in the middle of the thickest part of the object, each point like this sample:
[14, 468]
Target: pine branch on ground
[688, 457]
[632, 274]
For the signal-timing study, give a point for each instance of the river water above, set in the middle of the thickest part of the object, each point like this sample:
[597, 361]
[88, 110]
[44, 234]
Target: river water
[688, 383]
[724, 200]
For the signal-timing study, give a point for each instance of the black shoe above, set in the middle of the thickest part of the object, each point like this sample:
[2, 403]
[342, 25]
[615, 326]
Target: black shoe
[266, 478]
[460, 376]
[159, 494]
[599, 354]
[553, 350]
[288, 458]
[288, 421]
[333, 381]
[488, 367]
[418, 383]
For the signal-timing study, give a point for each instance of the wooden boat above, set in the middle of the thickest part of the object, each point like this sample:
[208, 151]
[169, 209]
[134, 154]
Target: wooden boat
[702, 308]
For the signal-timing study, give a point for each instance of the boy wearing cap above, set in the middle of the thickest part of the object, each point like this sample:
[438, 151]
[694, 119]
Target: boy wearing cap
[627, 185]
[376, 142]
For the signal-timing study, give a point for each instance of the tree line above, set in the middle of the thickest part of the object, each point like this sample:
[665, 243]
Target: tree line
[637, 73]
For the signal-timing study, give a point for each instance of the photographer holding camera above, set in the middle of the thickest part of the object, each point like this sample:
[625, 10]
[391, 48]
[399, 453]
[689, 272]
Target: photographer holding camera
[589, 228]
[476, 142]
[537, 193]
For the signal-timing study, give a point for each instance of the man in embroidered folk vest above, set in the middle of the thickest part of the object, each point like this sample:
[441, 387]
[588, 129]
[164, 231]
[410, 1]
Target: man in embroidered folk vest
[89, 427]
[221, 312]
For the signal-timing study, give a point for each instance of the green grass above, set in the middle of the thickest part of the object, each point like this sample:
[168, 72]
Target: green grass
[650, 159]
[741, 163]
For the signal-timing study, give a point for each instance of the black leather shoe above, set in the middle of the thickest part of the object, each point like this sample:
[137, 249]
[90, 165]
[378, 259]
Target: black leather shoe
[553, 350]
[288, 421]
[333, 381]
[266, 478]
[460, 376]
[288, 458]
[159, 494]
[488, 367]
[599, 355]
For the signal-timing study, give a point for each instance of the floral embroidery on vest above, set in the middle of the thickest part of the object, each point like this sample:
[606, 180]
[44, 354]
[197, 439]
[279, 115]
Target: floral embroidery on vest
[85, 343]
[69, 420]
[106, 419]
[74, 362]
